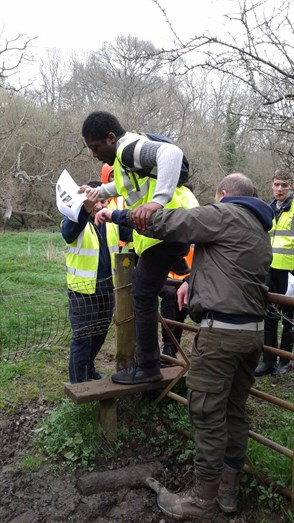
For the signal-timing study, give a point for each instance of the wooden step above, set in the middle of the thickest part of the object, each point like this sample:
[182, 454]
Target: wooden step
[106, 389]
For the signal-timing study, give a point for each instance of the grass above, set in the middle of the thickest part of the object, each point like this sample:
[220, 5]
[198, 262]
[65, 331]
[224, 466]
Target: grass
[33, 300]
[276, 424]
[32, 287]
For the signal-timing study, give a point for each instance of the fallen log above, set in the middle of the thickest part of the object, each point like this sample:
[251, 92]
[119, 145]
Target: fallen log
[128, 477]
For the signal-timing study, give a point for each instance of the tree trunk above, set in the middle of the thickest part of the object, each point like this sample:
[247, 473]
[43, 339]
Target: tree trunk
[130, 477]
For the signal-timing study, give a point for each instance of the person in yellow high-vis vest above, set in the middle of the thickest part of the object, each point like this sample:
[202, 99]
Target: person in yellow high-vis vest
[107, 175]
[89, 270]
[147, 174]
[282, 241]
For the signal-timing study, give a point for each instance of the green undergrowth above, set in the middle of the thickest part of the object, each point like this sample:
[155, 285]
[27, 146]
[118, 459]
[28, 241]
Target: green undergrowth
[70, 438]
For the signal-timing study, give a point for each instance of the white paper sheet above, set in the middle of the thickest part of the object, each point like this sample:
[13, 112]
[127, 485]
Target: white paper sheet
[68, 200]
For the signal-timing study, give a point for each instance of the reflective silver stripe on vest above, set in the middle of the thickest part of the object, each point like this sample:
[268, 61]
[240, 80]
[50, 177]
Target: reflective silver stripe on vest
[280, 232]
[137, 153]
[136, 157]
[276, 250]
[114, 248]
[82, 274]
[134, 197]
[126, 181]
[82, 252]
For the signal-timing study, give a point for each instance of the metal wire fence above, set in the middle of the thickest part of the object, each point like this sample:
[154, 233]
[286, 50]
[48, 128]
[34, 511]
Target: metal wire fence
[35, 320]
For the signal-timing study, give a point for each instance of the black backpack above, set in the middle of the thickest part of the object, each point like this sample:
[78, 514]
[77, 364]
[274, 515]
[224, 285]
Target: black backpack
[184, 175]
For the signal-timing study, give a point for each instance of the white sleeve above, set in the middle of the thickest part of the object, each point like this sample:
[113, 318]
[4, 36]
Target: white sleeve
[108, 190]
[169, 162]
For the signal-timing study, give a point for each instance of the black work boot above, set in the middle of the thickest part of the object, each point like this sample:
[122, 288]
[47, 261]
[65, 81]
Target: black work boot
[284, 364]
[269, 360]
[227, 497]
[135, 374]
[267, 365]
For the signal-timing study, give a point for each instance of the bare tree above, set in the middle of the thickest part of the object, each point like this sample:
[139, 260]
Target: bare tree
[14, 52]
[257, 50]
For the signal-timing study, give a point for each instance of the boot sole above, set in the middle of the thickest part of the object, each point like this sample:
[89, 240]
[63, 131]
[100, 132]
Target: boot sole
[259, 374]
[137, 381]
[198, 519]
[226, 509]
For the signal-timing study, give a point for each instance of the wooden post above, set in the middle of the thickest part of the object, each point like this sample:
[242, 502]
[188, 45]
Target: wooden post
[107, 417]
[124, 312]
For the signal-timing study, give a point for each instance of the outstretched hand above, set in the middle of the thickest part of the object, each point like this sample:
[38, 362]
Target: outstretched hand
[94, 191]
[103, 216]
[141, 216]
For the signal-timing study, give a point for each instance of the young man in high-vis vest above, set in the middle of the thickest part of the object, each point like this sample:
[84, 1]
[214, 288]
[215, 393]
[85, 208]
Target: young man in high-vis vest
[146, 174]
[282, 241]
[89, 269]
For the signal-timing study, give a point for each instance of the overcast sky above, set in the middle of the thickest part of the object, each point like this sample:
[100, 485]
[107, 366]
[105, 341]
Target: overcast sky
[74, 24]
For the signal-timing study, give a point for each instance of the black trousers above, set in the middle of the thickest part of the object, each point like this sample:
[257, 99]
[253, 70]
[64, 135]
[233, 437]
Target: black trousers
[277, 282]
[90, 316]
[149, 276]
[169, 309]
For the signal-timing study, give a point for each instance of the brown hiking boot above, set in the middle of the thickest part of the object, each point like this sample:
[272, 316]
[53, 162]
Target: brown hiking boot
[197, 503]
[227, 497]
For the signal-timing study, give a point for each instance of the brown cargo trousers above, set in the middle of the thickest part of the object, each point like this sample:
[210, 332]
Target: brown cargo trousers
[220, 376]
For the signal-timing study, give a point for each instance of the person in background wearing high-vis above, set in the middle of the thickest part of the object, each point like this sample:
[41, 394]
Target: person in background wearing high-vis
[169, 308]
[118, 203]
[107, 176]
[282, 241]
[89, 269]
[146, 174]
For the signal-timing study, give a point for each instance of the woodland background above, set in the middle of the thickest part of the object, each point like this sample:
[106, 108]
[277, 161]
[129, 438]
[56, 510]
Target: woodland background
[228, 102]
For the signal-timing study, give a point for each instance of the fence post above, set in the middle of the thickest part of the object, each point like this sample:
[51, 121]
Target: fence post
[124, 312]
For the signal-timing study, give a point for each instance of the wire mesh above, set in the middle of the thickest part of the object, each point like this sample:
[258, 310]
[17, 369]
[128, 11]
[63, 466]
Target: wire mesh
[35, 320]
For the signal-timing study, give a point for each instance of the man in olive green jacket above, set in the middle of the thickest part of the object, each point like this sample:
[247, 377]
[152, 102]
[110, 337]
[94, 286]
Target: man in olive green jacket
[228, 296]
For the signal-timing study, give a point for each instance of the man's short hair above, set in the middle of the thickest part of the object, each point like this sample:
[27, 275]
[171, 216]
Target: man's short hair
[94, 183]
[99, 124]
[236, 184]
[283, 174]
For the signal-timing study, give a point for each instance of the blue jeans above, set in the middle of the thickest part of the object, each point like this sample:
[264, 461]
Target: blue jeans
[149, 276]
[90, 316]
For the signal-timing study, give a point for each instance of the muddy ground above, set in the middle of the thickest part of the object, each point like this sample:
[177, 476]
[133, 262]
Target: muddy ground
[45, 496]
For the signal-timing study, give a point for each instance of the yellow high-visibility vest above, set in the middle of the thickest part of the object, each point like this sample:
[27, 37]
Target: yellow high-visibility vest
[282, 240]
[138, 190]
[82, 258]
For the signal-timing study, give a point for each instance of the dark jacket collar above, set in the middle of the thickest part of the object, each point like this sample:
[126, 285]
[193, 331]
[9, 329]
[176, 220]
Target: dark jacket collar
[258, 207]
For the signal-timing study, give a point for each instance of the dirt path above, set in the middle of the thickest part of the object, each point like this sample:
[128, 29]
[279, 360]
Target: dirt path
[43, 497]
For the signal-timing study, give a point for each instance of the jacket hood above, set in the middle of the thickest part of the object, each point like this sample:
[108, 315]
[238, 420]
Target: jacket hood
[259, 208]
[105, 172]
